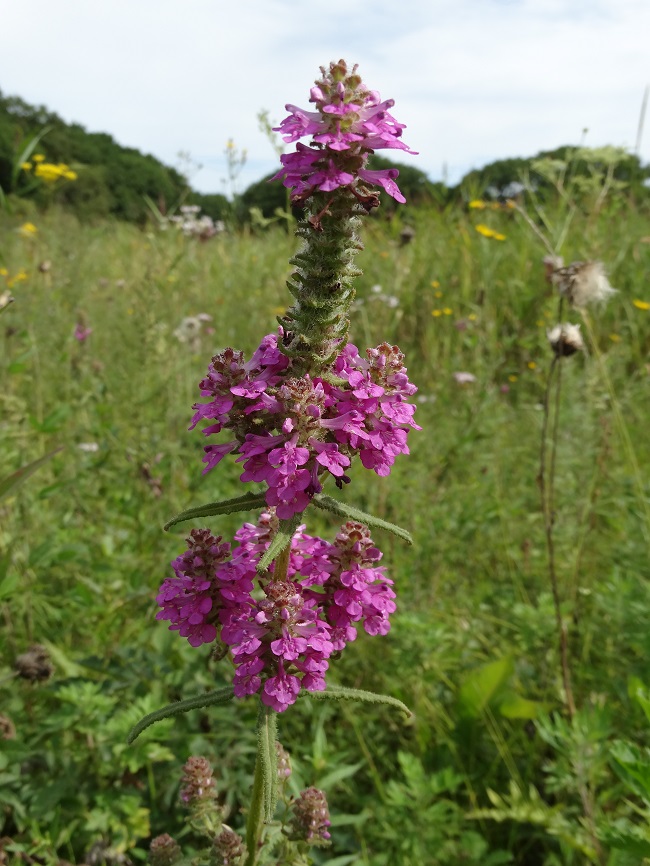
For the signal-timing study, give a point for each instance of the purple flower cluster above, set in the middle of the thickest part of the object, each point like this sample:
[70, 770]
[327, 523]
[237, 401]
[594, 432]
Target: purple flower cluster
[281, 632]
[289, 431]
[351, 123]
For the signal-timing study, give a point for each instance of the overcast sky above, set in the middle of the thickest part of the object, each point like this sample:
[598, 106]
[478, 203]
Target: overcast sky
[474, 80]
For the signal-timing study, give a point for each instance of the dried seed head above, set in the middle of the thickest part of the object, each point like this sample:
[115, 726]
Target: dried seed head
[35, 664]
[583, 283]
[552, 264]
[565, 339]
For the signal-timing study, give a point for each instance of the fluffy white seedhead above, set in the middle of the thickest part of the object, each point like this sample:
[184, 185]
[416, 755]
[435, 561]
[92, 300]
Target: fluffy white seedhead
[565, 339]
[583, 283]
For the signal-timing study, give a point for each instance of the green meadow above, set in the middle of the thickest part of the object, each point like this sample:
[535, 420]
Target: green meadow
[492, 768]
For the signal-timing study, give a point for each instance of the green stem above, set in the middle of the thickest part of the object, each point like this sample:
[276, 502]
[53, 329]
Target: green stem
[265, 778]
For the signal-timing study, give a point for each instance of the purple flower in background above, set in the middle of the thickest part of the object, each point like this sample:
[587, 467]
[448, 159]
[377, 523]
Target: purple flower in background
[82, 332]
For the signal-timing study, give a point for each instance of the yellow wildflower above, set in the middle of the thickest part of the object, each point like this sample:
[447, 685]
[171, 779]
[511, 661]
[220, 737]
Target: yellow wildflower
[540, 323]
[436, 313]
[615, 338]
[447, 311]
[28, 229]
[437, 294]
[4, 272]
[435, 284]
[26, 166]
[641, 305]
[472, 317]
[477, 204]
[487, 232]
[512, 378]
[532, 365]
[38, 157]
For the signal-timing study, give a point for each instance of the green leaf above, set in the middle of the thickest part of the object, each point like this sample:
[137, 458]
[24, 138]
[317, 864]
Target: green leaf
[327, 503]
[481, 686]
[280, 542]
[638, 691]
[342, 693]
[219, 696]
[9, 484]
[247, 502]
[632, 765]
[513, 706]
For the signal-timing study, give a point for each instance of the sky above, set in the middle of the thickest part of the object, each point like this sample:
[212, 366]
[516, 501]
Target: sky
[473, 80]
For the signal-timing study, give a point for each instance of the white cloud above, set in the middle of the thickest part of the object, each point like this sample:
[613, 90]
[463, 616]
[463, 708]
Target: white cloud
[474, 80]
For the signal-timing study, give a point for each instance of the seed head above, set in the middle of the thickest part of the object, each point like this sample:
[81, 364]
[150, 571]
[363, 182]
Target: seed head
[583, 283]
[565, 339]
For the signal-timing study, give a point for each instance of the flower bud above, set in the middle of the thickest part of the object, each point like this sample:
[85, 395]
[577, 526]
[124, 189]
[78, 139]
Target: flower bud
[228, 849]
[197, 784]
[310, 818]
[164, 851]
[284, 762]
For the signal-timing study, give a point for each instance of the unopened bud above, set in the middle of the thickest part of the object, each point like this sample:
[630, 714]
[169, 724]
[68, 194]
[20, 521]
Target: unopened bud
[164, 851]
[310, 818]
[197, 784]
[228, 849]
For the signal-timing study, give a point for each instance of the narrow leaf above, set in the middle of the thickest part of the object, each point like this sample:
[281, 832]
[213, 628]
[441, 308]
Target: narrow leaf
[342, 693]
[9, 484]
[281, 541]
[327, 503]
[220, 696]
[247, 502]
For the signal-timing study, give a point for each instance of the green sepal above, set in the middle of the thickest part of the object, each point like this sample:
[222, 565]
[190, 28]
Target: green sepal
[247, 502]
[280, 542]
[219, 696]
[342, 693]
[327, 503]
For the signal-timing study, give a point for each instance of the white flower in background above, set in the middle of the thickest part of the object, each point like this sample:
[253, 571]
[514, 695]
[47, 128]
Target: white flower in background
[193, 225]
[88, 447]
[565, 339]
[464, 378]
[189, 332]
[583, 283]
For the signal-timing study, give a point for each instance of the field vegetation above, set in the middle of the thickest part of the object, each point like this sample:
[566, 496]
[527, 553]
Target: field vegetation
[101, 352]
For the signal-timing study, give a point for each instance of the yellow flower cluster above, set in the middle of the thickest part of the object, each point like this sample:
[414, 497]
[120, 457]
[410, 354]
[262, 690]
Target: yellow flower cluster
[19, 277]
[478, 204]
[487, 232]
[28, 230]
[641, 305]
[48, 171]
